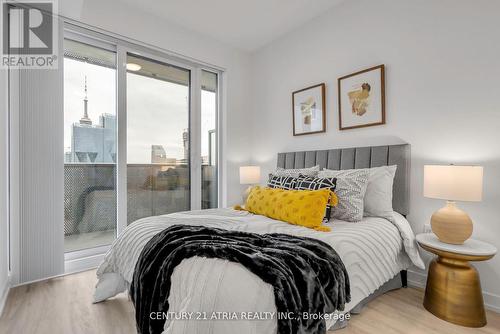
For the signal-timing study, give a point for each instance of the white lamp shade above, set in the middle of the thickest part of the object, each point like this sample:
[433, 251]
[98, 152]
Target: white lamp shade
[453, 183]
[249, 174]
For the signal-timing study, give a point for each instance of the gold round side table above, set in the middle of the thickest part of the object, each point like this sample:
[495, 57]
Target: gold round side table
[453, 291]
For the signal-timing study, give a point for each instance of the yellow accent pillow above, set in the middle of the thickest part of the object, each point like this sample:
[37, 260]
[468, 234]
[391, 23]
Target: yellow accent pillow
[298, 207]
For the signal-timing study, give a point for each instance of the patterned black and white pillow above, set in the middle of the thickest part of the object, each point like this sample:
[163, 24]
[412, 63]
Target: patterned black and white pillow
[350, 190]
[282, 182]
[315, 183]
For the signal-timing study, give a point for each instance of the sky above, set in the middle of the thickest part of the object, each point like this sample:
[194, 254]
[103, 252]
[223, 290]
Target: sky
[157, 111]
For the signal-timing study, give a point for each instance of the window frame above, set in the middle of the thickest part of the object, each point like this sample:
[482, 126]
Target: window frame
[88, 258]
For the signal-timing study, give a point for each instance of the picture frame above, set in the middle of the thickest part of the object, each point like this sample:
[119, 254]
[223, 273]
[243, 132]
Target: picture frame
[362, 98]
[309, 110]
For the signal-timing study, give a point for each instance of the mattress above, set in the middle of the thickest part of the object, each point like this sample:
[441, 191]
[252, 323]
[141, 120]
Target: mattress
[207, 294]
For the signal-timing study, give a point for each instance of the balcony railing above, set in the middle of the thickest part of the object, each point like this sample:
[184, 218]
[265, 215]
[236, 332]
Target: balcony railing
[152, 189]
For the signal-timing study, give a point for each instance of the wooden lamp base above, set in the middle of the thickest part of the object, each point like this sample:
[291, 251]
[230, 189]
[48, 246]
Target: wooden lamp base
[451, 224]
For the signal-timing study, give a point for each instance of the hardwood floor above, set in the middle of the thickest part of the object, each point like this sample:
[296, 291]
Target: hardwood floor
[63, 305]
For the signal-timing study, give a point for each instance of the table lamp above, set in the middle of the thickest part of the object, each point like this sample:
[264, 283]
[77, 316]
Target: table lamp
[249, 175]
[453, 183]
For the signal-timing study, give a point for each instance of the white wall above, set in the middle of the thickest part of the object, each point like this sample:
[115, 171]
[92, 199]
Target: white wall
[4, 259]
[442, 74]
[146, 28]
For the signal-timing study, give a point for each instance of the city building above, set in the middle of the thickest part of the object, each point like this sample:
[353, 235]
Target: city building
[159, 156]
[93, 143]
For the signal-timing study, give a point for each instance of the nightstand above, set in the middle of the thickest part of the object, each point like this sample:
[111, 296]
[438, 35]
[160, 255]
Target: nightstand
[453, 291]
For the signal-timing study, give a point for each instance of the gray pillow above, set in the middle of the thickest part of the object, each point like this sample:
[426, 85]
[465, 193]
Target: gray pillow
[350, 190]
[295, 172]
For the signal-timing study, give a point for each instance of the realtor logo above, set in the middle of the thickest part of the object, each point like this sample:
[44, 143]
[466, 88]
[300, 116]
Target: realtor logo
[29, 33]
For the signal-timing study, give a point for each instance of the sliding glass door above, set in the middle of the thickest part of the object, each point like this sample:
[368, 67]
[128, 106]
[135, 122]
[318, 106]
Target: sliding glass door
[89, 145]
[158, 171]
[209, 152]
[140, 138]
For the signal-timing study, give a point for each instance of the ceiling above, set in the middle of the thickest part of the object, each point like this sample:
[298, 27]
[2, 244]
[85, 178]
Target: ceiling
[245, 24]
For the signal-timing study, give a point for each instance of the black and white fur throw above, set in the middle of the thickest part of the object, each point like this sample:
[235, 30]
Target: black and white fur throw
[307, 274]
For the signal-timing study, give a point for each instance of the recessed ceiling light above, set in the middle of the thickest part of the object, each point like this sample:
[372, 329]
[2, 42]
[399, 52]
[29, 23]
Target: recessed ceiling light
[133, 67]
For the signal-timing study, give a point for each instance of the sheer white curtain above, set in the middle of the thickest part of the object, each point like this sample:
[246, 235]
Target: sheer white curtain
[36, 169]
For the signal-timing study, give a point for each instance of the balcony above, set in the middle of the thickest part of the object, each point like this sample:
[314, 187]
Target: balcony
[152, 189]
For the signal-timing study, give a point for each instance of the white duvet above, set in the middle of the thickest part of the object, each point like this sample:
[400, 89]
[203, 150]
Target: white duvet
[373, 250]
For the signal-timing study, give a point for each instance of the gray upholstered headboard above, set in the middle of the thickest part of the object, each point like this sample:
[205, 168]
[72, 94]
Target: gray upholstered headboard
[360, 157]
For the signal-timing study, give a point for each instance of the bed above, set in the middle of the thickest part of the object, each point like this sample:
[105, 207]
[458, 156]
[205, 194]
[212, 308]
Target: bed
[375, 252]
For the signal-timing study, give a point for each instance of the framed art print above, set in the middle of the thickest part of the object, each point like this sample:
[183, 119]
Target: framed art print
[308, 110]
[362, 98]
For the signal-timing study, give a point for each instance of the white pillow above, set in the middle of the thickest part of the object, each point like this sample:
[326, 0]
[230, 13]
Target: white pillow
[378, 195]
[350, 190]
[294, 172]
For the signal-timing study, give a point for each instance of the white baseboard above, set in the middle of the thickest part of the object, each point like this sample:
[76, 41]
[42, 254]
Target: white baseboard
[418, 280]
[3, 296]
[491, 301]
